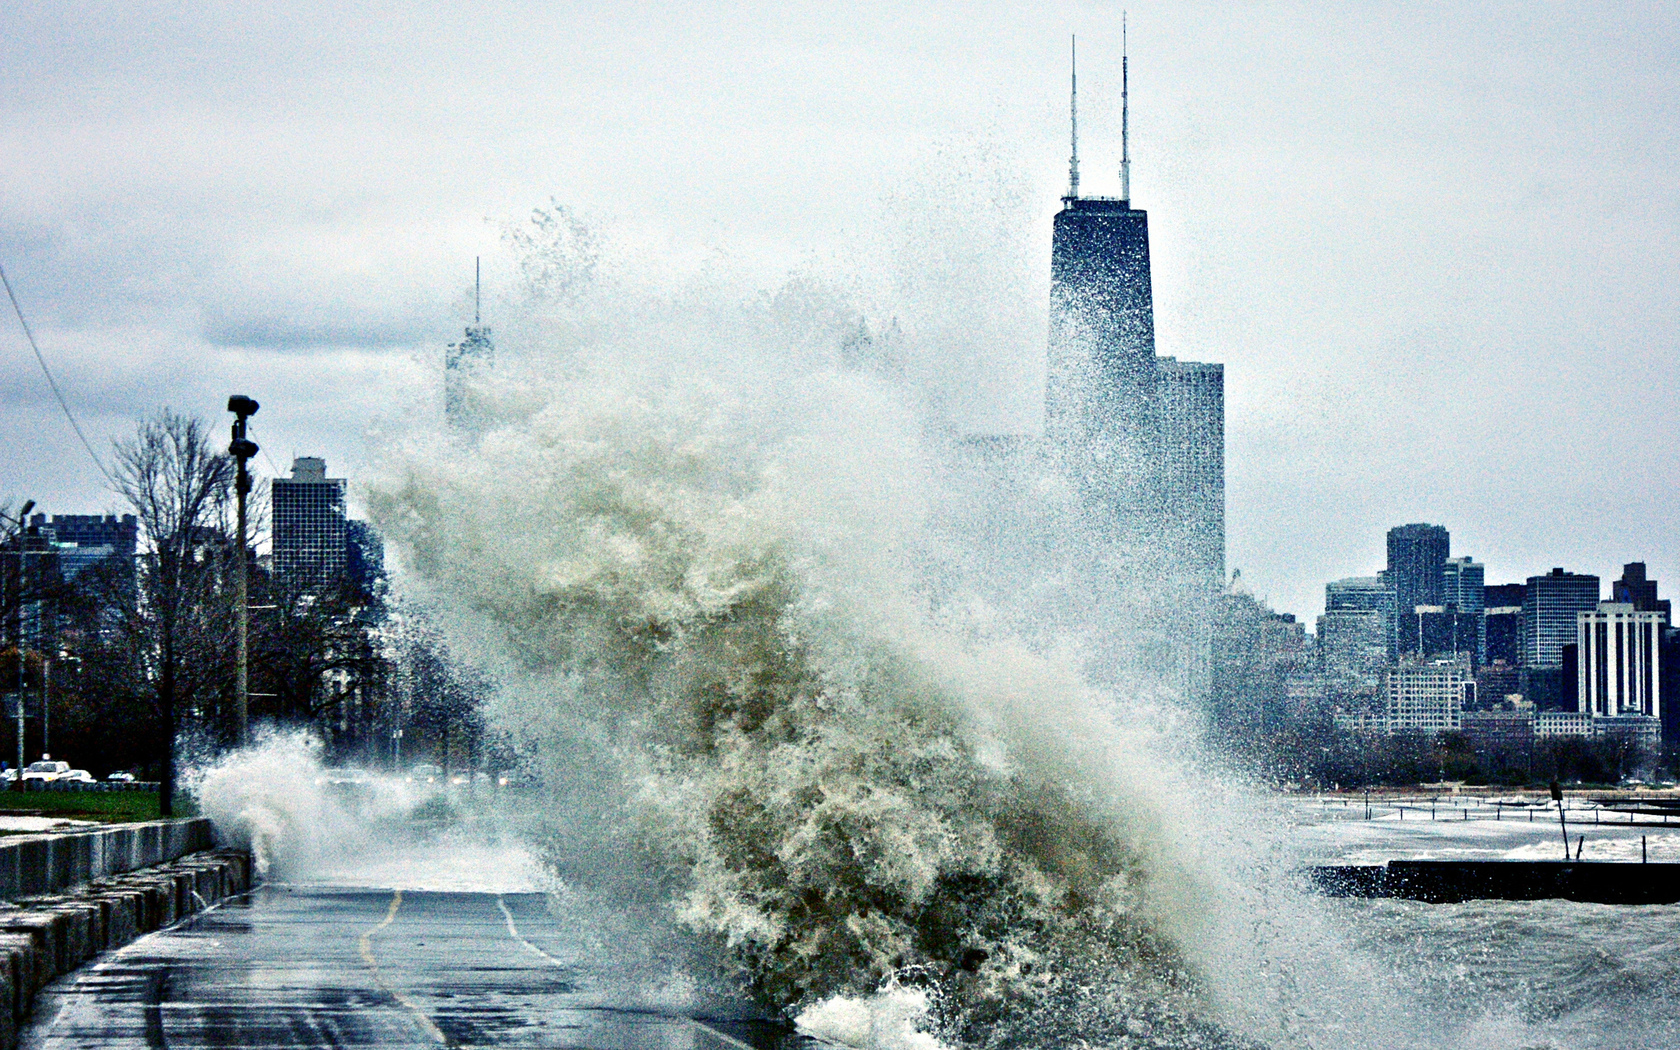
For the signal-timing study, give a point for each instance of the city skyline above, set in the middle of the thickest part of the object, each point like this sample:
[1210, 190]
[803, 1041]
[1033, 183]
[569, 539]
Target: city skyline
[1359, 224]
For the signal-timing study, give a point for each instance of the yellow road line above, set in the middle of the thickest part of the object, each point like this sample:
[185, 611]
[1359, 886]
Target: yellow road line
[367, 957]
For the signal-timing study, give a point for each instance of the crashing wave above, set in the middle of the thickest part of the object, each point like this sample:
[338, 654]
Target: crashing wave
[710, 603]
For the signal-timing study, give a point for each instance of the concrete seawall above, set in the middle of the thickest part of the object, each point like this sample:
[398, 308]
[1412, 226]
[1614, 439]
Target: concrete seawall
[1449, 882]
[67, 896]
[47, 863]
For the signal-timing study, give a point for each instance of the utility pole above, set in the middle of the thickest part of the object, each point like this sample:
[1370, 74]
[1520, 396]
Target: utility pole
[242, 449]
[18, 582]
[46, 711]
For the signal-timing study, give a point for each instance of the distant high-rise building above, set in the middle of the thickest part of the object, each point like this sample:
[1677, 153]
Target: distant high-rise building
[1440, 631]
[1620, 670]
[1502, 623]
[1462, 587]
[1102, 388]
[465, 361]
[1668, 669]
[1502, 634]
[1361, 593]
[1504, 595]
[1427, 698]
[1192, 403]
[309, 527]
[1498, 681]
[1549, 607]
[1641, 593]
[1143, 437]
[85, 540]
[1417, 554]
[1352, 648]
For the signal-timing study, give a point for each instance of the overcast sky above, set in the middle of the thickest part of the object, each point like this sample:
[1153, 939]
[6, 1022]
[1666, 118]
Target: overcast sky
[1437, 247]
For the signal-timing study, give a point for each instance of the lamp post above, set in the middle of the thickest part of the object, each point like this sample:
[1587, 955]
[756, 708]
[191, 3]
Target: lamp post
[242, 449]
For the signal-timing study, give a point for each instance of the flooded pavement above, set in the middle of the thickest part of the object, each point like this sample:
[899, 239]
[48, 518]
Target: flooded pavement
[311, 966]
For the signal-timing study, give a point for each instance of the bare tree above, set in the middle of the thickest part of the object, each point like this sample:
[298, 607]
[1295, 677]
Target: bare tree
[179, 486]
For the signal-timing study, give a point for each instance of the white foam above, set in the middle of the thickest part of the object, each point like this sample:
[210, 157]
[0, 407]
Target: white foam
[891, 1019]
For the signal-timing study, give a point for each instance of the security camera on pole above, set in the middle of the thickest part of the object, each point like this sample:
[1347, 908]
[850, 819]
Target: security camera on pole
[242, 449]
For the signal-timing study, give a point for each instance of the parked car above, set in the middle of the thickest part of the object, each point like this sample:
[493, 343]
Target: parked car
[80, 776]
[45, 771]
[120, 778]
[9, 775]
[425, 772]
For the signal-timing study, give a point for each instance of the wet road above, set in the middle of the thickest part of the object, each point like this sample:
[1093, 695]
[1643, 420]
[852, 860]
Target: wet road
[313, 967]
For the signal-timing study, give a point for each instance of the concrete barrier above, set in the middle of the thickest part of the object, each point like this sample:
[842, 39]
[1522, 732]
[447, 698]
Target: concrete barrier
[1449, 882]
[36, 864]
[43, 937]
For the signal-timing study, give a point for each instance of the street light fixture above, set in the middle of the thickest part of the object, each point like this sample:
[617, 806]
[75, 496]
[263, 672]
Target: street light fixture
[242, 449]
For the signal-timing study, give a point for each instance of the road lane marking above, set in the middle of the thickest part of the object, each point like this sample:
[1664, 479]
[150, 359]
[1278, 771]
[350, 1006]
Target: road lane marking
[513, 931]
[373, 964]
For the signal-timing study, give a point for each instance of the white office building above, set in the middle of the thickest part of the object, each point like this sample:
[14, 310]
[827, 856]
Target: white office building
[1618, 673]
[1427, 697]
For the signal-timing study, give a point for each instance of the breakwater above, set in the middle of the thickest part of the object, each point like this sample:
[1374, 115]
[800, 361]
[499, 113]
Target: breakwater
[49, 862]
[66, 897]
[1450, 882]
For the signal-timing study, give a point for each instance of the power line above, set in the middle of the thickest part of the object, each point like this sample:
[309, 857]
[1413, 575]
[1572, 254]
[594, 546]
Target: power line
[271, 464]
[62, 403]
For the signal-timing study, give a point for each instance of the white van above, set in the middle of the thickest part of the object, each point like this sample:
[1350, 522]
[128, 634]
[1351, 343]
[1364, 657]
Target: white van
[45, 771]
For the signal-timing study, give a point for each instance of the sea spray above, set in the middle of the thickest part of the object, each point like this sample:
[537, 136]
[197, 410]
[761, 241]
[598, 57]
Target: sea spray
[307, 823]
[267, 799]
[714, 593]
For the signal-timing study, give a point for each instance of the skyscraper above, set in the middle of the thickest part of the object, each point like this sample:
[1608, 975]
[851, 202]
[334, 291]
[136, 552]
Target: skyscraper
[1102, 398]
[1502, 606]
[1549, 610]
[1144, 437]
[309, 528]
[1417, 556]
[1618, 669]
[86, 540]
[1462, 587]
[1192, 403]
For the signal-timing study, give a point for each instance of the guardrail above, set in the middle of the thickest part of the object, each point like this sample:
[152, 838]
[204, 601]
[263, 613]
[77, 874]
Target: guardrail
[82, 785]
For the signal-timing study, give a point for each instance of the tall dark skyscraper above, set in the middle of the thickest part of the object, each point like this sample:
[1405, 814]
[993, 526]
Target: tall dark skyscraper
[95, 538]
[1549, 614]
[1101, 396]
[1417, 555]
[1144, 436]
[1462, 588]
[309, 527]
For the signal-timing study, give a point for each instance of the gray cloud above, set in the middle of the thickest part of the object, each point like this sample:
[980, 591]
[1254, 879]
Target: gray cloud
[1436, 247]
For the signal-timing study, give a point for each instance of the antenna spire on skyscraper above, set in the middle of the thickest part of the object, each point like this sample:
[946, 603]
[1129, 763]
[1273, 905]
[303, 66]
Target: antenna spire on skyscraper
[1073, 162]
[1125, 121]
